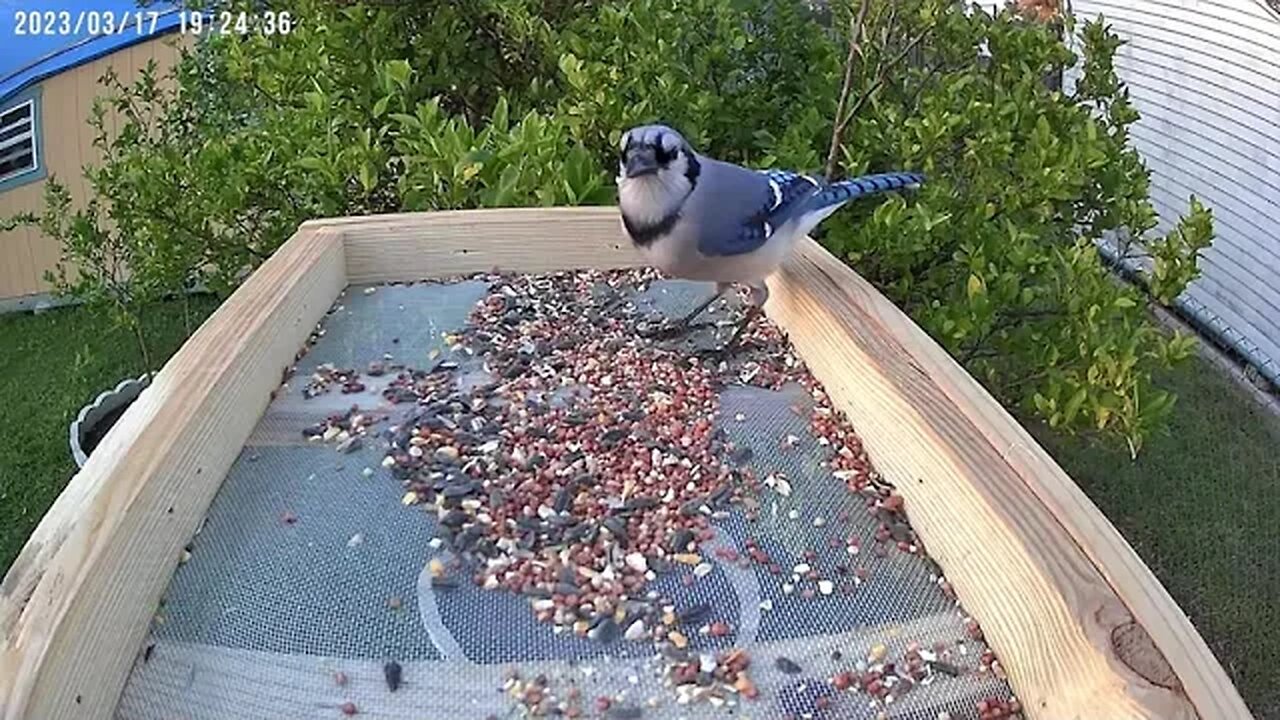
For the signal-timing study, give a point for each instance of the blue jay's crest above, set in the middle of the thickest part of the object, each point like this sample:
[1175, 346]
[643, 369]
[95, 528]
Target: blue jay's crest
[657, 170]
[650, 148]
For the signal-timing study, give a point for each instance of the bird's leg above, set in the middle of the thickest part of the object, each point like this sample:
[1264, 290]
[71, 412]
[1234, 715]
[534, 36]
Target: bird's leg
[682, 325]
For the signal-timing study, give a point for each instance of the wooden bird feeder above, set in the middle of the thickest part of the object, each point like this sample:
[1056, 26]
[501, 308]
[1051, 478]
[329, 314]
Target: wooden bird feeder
[1082, 627]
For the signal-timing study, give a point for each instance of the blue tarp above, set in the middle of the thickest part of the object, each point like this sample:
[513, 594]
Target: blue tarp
[26, 59]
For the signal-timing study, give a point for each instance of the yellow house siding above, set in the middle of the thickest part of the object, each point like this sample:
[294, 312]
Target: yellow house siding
[66, 101]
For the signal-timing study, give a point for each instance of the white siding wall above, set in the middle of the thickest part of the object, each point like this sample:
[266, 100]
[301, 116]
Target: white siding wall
[1205, 74]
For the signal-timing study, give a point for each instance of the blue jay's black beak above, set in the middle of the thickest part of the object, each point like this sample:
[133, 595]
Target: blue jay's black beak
[641, 161]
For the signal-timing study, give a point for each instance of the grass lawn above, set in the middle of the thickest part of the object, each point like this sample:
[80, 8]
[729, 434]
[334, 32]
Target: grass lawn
[54, 364]
[1201, 505]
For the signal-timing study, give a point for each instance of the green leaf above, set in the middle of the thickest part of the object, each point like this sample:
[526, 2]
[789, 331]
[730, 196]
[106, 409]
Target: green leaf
[1072, 407]
[380, 106]
[409, 121]
[501, 118]
[399, 71]
[975, 286]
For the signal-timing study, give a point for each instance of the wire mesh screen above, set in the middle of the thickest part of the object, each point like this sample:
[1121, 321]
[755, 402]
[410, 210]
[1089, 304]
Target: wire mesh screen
[504, 496]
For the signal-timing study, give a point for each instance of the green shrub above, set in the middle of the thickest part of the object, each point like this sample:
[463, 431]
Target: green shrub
[995, 256]
[378, 107]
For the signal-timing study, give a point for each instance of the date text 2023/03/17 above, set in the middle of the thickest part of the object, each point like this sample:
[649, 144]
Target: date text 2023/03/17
[146, 22]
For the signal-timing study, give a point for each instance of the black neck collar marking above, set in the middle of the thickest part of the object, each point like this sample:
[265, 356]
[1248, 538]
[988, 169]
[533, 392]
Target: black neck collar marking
[693, 170]
[644, 235]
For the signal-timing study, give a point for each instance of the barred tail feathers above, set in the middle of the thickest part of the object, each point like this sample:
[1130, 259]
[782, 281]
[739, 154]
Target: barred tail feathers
[845, 190]
[831, 198]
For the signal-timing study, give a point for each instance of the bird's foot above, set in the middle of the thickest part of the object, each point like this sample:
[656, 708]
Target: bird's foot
[724, 352]
[670, 331]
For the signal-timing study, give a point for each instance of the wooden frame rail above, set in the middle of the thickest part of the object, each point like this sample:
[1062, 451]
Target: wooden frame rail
[1083, 627]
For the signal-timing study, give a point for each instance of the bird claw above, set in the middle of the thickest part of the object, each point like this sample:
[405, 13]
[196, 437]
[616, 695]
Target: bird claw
[724, 352]
[670, 331]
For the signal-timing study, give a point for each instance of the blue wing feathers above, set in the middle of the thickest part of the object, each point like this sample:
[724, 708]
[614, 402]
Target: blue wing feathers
[788, 195]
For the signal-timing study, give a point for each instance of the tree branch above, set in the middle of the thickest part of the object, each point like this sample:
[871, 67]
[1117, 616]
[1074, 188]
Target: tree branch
[857, 25]
[882, 74]
[884, 69]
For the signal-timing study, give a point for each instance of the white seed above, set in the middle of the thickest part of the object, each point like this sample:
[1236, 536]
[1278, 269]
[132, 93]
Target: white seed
[635, 631]
[388, 461]
[766, 605]
[788, 588]
[637, 562]
[355, 540]
[702, 569]
[826, 587]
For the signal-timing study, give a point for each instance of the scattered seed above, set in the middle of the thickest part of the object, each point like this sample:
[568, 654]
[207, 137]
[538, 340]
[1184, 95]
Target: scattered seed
[340, 678]
[635, 631]
[582, 551]
[945, 668]
[348, 708]
[392, 671]
[787, 665]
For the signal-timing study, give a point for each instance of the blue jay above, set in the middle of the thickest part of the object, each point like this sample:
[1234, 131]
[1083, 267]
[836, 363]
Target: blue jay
[697, 218]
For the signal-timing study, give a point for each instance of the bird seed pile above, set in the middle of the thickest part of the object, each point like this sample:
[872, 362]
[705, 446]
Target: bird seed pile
[502, 496]
[588, 461]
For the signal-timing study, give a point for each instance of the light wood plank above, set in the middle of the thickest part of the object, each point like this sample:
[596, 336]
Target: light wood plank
[415, 246]
[1084, 629]
[77, 602]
